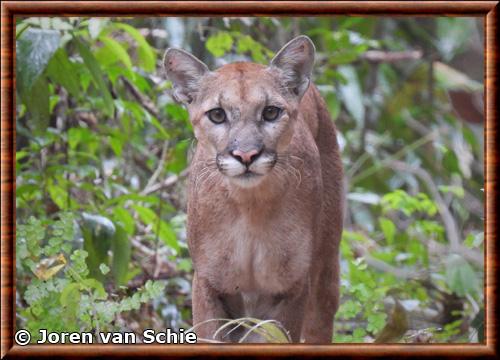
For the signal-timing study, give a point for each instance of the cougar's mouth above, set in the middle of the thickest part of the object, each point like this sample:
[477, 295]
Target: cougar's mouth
[248, 174]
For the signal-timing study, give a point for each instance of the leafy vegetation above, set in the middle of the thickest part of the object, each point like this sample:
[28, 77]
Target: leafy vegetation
[102, 154]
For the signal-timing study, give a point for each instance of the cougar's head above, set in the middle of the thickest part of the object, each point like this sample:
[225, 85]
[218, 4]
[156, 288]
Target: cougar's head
[243, 114]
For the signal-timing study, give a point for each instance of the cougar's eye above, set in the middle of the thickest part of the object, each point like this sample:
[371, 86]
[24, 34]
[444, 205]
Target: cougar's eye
[217, 116]
[271, 113]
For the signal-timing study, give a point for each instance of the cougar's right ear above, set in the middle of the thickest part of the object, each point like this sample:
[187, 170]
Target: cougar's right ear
[185, 71]
[295, 60]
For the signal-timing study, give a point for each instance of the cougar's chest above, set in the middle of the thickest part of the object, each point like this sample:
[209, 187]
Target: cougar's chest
[255, 254]
[256, 257]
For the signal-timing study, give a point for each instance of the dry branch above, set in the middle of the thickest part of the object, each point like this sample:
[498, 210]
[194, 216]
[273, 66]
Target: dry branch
[378, 56]
[145, 102]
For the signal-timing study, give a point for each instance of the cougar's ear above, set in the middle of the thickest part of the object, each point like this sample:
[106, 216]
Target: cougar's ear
[185, 71]
[295, 60]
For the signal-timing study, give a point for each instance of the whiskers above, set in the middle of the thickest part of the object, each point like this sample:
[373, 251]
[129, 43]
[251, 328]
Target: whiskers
[206, 175]
[288, 166]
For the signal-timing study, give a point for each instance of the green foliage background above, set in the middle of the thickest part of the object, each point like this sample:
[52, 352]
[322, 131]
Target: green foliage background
[102, 154]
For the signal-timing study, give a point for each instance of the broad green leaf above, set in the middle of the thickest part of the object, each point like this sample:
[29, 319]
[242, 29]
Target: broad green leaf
[121, 249]
[79, 135]
[460, 277]
[98, 233]
[97, 75]
[58, 195]
[34, 49]
[122, 217]
[219, 44]
[38, 104]
[376, 322]
[115, 48]
[179, 157]
[154, 121]
[147, 55]
[388, 228]
[61, 71]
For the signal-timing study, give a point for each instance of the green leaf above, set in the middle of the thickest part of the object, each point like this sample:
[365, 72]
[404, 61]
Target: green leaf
[117, 50]
[99, 291]
[38, 104]
[59, 196]
[97, 75]
[154, 121]
[122, 216]
[219, 44]
[147, 56]
[177, 113]
[350, 309]
[460, 277]
[179, 157]
[34, 49]
[104, 268]
[376, 322]
[474, 240]
[79, 135]
[121, 249]
[70, 301]
[98, 232]
[160, 227]
[70, 292]
[458, 191]
[388, 228]
[61, 71]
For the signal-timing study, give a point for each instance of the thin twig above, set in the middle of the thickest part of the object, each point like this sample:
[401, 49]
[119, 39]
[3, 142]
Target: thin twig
[159, 168]
[380, 265]
[145, 102]
[168, 182]
[372, 170]
[449, 222]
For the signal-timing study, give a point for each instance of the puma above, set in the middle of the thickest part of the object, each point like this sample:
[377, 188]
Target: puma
[265, 196]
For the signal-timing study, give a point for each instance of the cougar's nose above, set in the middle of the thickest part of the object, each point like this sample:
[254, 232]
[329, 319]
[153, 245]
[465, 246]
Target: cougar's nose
[246, 157]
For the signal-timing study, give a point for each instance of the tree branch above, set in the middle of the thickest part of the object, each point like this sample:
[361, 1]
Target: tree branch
[449, 222]
[378, 56]
[168, 182]
[145, 102]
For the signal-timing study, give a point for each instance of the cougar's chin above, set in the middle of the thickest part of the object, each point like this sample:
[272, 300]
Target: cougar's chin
[247, 180]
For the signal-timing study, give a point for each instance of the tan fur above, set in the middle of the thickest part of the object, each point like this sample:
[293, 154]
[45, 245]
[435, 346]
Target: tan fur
[268, 250]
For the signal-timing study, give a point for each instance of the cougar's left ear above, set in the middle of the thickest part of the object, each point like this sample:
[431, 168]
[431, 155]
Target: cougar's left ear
[185, 71]
[295, 60]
